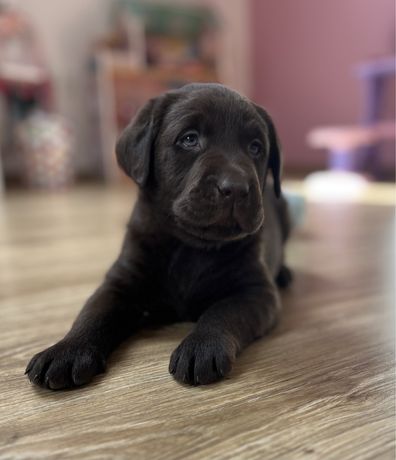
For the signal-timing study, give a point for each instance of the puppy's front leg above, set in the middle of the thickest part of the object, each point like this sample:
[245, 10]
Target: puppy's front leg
[223, 330]
[108, 317]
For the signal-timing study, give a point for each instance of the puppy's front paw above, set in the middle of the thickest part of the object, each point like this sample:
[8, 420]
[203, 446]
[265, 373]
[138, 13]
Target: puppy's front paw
[202, 359]
[66, 364]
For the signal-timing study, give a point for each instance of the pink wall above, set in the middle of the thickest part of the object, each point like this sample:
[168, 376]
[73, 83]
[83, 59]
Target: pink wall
[304, 52]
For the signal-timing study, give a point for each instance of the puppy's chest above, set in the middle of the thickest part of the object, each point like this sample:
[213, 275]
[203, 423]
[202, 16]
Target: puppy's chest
[193, 279]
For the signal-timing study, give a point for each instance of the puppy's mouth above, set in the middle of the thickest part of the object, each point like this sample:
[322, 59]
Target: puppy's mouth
[213, 232]
[230, 231]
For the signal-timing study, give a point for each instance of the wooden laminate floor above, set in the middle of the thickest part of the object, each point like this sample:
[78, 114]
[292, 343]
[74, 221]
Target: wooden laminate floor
[320, 387]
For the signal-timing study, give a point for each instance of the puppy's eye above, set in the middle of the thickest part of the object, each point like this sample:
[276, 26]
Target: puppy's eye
[256, 148]
[189, 140]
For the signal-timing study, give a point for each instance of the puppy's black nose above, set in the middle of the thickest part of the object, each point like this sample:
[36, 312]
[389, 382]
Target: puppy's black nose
[233, 188]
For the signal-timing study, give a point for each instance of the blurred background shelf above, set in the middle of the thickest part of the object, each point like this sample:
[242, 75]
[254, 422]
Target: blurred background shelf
[102, 58]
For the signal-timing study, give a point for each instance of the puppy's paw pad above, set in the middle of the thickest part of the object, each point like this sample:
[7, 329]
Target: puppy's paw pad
[200, 360]
[65, 365]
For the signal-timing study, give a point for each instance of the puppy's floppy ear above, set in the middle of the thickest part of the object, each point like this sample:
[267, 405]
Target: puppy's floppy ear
[275, 157]
[134, 147]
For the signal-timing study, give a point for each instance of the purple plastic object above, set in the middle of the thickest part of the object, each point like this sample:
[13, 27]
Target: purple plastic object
[343, 161]
[374, 75]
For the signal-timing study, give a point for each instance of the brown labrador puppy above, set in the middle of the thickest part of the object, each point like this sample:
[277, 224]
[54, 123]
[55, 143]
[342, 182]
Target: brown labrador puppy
[204, 243]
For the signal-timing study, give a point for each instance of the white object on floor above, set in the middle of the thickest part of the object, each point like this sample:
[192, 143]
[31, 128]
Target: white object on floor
[296, 205]
[335, 186]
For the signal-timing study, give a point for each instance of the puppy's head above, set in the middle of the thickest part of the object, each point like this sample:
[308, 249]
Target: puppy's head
[201, 154]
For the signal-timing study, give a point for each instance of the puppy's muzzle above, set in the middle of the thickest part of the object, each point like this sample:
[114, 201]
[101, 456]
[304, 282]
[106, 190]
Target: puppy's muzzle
[222, 206]
[232, 187]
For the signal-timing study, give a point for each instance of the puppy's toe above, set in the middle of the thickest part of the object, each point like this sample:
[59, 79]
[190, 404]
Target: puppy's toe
[37, 367]
[86, 367]
[181, 364]
[200, 360]
[58, 375]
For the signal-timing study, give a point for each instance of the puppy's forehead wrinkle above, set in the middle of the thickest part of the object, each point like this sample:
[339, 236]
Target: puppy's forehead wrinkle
[177, 121]
[227, 111]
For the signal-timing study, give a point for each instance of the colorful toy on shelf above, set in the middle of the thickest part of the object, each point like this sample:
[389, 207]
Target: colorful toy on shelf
[45, 141]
